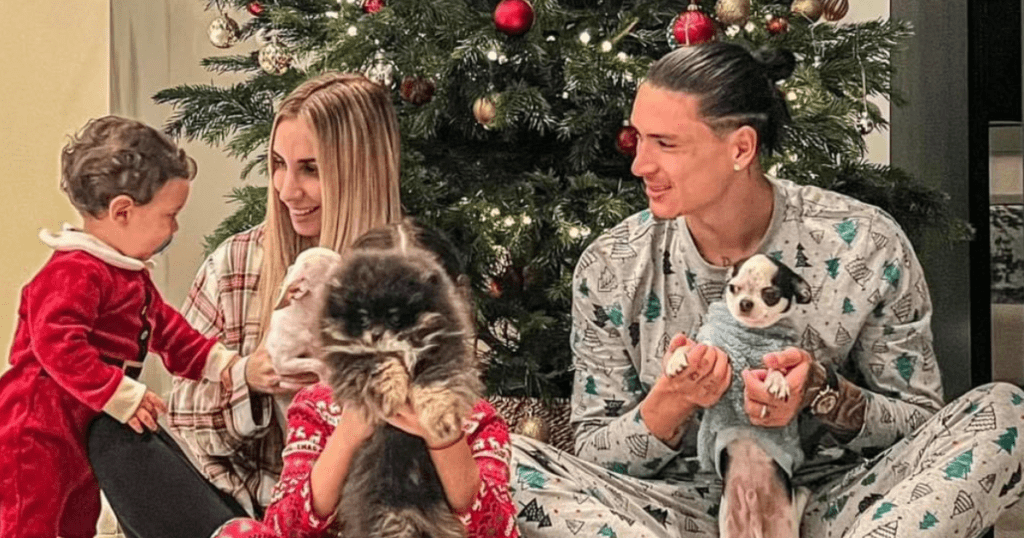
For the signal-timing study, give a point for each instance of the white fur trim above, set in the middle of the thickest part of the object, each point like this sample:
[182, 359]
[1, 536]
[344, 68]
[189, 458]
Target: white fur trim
[126, 399]
[71, 238]
[217, 361]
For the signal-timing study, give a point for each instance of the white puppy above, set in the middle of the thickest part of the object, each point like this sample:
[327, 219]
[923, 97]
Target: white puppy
[293, 338]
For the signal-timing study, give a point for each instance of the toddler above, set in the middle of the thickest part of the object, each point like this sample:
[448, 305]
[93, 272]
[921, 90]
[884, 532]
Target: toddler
[85, 324]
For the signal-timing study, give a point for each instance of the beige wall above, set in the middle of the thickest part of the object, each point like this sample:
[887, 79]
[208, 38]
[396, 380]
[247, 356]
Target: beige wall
[878, 141]
[55, 77]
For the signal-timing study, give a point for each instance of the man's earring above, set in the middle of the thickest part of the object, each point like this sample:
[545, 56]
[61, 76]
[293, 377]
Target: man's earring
[736, 167]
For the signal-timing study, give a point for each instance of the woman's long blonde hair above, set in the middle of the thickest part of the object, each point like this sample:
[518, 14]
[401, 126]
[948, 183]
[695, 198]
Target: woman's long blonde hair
[357, 152]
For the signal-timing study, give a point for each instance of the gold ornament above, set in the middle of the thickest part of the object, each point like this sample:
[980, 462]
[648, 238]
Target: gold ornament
[733, 11]
[535, 427]
[807, 8]
[833, 10]
[223, 32]
[485, 110]
[273, 59]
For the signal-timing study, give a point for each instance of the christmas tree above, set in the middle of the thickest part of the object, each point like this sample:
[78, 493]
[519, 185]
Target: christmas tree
[513, 117]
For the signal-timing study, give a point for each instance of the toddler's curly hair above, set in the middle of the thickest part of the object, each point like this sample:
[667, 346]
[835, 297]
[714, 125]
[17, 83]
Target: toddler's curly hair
[114, 156]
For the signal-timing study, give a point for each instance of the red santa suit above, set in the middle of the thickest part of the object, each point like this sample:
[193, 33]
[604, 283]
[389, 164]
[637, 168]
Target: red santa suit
[85, 324]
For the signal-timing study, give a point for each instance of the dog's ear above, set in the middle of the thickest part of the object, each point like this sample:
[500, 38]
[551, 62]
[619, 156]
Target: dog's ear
[801, 289]
[787, 278]
[293, 290]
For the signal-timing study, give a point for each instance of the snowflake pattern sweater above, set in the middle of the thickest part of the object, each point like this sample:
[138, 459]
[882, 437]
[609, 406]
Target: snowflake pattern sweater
[312, 418]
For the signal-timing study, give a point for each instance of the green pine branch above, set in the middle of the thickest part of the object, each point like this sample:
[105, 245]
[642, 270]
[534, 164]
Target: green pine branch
[252, 203]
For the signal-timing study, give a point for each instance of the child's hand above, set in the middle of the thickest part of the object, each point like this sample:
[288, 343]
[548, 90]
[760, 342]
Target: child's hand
[407, 420]
[148, 411]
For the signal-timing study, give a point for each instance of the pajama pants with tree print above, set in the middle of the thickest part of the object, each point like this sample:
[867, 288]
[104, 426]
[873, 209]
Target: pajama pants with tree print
[954, 476]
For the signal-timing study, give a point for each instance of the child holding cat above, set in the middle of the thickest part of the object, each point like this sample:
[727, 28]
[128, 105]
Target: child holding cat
[85, 324]
[324, 436]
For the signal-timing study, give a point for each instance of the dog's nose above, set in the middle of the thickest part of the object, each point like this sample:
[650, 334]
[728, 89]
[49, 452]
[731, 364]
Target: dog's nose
[746, 305]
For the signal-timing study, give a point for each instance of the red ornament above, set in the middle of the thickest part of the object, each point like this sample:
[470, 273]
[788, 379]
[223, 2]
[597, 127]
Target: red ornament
[693, 27]
[626, 141]
[513, 17]
[255, 8]
[778, 25]
[372, 6]
[416, 90]
[494, 289]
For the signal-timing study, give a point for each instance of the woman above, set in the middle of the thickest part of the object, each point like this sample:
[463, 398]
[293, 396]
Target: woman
[324, 436]
[863, 383]
[334, 167]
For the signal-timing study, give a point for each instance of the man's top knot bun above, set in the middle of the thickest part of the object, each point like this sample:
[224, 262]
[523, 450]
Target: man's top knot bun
[778, 64]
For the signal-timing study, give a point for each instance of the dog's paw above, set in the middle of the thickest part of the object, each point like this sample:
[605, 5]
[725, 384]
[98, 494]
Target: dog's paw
[677, 362]
[440, 412]
[777, 385]
[392, 384]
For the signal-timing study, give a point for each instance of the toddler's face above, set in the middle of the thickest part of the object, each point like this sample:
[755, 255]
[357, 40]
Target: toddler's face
[153, 224]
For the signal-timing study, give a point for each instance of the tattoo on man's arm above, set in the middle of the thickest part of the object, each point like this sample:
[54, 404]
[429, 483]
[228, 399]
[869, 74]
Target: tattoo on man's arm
[847, 419]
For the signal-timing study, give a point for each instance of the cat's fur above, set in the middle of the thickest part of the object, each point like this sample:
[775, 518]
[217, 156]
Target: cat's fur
[395, 331]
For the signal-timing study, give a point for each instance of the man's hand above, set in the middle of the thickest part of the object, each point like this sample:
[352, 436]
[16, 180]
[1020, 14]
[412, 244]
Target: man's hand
[146, 414]
[673, 400]
[765, 409]
[706, 376]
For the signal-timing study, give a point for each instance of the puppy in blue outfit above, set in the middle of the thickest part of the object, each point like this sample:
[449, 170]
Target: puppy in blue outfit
[755, 463]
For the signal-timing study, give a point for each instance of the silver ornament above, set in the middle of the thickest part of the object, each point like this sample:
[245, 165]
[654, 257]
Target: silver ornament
[864, 124]
[273, 59]
[381, 71]
[223, 32]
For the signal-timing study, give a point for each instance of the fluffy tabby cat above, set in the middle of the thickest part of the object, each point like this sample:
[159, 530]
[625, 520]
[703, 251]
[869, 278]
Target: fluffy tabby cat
[395, 331]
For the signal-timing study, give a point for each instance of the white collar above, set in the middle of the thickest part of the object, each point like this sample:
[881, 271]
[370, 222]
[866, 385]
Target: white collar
[71, 239]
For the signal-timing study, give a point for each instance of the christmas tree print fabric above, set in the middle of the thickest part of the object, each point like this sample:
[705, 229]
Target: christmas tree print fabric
[643, 281]
[953, 476]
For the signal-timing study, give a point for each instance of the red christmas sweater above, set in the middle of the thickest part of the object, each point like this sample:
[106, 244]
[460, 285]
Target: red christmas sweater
[312, 418]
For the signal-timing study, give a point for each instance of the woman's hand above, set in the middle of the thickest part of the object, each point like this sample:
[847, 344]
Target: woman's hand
[765, 409]
[261, 376]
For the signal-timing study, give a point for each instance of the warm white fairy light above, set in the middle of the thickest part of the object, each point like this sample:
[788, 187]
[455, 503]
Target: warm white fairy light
[585, 37]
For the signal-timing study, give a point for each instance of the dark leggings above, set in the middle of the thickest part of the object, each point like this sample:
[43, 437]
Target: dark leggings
[153, 488]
